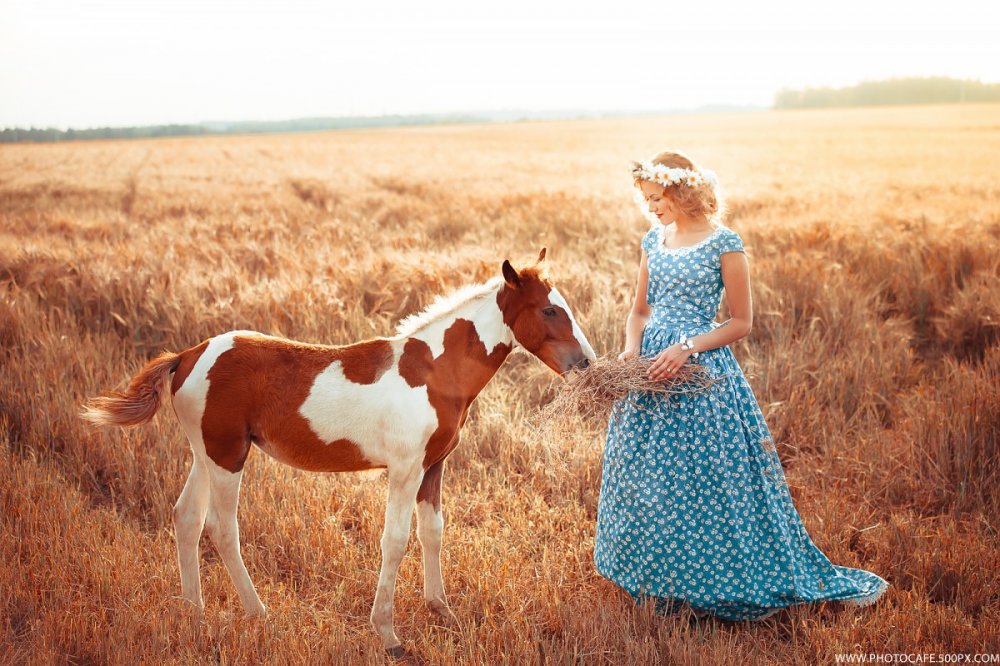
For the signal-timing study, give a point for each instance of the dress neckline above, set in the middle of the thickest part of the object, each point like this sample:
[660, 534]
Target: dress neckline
[686, 248]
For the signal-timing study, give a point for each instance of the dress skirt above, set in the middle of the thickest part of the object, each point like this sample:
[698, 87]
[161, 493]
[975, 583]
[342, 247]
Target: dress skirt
[694, 508]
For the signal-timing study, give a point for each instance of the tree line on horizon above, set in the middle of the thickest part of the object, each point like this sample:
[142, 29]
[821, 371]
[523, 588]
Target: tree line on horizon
[919, 90]
[926, 90]
[50, 134]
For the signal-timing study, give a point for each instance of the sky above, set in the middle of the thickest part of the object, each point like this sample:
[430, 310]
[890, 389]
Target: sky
[147, 62]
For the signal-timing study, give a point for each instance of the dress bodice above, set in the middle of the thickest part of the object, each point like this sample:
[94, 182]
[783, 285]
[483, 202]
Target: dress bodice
[685, 284]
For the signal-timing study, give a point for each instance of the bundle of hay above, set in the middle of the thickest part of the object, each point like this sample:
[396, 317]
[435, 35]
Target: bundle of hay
[584, 401]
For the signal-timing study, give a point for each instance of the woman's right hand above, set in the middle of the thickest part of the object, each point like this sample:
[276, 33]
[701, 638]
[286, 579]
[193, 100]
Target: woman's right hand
[628, 354]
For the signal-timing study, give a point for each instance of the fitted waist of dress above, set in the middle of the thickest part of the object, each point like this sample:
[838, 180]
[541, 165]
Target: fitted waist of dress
[665, 319]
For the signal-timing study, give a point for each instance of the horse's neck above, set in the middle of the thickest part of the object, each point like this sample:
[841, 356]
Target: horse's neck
[485, 315]
[473, 340]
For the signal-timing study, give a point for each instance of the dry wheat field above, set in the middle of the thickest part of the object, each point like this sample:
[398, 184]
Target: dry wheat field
[874, 243]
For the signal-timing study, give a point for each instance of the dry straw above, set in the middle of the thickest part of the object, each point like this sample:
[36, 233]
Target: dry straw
[584, 401]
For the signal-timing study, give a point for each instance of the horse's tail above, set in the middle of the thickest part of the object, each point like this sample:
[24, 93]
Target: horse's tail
[140, 401]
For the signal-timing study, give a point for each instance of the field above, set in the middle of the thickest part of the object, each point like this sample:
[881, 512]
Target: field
[874, 244]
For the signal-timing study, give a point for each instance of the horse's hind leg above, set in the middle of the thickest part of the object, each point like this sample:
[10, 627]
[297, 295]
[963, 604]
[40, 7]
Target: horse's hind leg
[430, 530]
[225, 534]
[189, 519]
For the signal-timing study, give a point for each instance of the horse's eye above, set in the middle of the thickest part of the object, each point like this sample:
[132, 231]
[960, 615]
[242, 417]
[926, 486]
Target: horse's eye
[549, 311]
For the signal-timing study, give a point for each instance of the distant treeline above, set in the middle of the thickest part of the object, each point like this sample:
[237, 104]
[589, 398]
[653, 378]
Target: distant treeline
[12, 135]
[52, 134]
[328, 123]
[928, 90]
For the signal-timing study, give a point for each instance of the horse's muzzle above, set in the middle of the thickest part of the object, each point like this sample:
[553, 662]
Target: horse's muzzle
[575, 365]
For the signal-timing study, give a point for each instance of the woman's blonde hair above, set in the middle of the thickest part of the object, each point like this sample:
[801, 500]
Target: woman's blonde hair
[703, 198]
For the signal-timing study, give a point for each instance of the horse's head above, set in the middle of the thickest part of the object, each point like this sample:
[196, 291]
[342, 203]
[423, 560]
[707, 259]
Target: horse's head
[541, 319]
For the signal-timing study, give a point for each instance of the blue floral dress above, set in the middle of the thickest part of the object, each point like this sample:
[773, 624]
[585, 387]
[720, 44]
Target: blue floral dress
[694, 507]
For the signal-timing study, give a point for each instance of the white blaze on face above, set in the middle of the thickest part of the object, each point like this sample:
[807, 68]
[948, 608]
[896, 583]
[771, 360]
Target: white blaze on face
[555, 298]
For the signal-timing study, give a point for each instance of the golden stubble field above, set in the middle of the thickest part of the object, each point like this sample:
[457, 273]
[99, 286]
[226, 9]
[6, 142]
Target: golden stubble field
[874, 242]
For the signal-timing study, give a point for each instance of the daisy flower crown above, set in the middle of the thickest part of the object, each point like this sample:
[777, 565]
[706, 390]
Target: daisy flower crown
[667, 176]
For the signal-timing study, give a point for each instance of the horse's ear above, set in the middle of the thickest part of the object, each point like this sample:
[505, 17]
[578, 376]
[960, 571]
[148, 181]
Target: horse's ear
[510, 275]
[541, 256]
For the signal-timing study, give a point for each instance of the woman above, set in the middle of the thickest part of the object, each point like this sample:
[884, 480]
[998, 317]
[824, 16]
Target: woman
[694, 508]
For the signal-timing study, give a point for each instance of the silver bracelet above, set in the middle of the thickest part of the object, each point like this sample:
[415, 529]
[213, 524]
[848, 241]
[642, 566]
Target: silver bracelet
[688, 345]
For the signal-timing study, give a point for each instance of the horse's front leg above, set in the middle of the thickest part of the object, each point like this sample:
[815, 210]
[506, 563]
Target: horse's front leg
[403, 485]
[430, 529]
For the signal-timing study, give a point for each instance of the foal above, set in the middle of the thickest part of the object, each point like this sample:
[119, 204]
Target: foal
[396, 403]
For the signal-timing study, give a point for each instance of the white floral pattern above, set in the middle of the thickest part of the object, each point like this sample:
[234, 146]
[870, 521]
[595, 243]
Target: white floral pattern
[694, 507]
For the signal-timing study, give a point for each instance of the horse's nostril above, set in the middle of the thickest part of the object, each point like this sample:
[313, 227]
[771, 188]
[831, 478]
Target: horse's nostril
[584, 364]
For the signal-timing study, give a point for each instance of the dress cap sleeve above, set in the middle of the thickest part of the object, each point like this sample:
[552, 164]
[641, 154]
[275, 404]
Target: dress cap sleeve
[650, 240]
[730, 241]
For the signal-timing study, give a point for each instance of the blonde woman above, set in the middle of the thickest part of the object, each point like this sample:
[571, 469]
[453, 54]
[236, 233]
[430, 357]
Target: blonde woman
[694, 508]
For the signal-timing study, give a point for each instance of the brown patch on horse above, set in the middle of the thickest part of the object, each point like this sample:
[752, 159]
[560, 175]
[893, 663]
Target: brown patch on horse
[363, 362]
[416, 363]
[187, 362]
[531, 292]
[430, 487]
[453, 380]
[255, 392]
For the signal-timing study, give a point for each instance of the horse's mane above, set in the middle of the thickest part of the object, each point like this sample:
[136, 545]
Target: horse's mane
[445, 305]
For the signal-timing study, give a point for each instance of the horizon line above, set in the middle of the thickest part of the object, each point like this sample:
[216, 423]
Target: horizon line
[462, 116]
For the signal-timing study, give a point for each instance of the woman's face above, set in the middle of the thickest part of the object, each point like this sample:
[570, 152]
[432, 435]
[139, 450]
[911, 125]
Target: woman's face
[660, 204]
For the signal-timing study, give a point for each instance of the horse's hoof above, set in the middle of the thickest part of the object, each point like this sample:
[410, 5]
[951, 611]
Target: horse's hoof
[403, 656]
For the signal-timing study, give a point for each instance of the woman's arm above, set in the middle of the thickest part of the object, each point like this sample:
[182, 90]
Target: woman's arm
[736, 279]
[636, 321]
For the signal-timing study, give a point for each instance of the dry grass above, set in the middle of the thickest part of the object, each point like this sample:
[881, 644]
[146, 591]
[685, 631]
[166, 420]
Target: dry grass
[584, 401]
[873, 238]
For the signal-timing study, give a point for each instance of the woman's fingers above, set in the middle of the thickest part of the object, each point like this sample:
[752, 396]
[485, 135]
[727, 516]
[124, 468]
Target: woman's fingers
[663, 367]
[667, 363]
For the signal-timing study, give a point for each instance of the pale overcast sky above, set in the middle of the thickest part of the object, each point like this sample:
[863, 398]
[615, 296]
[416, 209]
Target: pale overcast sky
[140, 62]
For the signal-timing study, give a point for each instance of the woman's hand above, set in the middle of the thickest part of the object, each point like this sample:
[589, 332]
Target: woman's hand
[667, 363]
[627, 354]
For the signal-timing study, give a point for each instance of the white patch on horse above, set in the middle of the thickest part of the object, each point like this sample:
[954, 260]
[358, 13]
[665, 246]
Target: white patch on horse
[556, 299]
[189, 400]
[389, 421]
[475, 303]
[430, 531]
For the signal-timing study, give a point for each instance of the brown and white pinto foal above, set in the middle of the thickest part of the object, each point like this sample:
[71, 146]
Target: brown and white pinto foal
[396, 403]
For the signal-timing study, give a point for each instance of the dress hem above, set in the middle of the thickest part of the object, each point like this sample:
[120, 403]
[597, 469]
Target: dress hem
[866, 599]
[860, 601]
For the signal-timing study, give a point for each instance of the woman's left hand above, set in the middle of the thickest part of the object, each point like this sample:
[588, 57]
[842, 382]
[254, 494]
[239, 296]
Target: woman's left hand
[667, 363]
